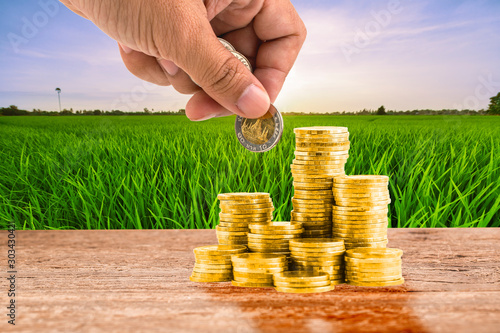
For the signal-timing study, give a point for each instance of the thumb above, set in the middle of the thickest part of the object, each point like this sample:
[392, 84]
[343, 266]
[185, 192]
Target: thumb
[223, 77]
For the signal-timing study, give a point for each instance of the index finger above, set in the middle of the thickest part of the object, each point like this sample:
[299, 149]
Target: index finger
[279, 25]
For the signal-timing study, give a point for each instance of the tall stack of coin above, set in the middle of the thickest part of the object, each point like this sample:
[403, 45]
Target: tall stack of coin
[319, 255]
[371, 267]
[213, 262]
[320, 154]
[256, 269]
[273, 237]
[238, 210]
[303, 282]
[360, 210]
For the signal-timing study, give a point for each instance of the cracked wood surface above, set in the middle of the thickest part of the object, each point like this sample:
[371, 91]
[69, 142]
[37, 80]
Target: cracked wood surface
[137, 281]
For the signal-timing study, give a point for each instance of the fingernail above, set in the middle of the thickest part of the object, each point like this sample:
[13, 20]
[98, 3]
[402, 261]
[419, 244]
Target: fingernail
[126, 49]
[254, 102]
[169, 66]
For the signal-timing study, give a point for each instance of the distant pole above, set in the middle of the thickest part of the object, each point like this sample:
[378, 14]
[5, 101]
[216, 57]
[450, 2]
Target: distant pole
[59, 96]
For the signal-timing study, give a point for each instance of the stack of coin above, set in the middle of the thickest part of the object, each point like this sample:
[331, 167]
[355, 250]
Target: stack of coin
[238, 210]
[303, 282]
[371, 267]
[273, 237]
[319, 255]
[213, 262]
[320, 154]
[360, 210]
[256, 269]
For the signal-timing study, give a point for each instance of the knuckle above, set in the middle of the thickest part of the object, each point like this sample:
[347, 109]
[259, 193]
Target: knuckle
[223, 78]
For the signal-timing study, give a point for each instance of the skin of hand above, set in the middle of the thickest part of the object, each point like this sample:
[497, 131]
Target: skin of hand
[168, 42]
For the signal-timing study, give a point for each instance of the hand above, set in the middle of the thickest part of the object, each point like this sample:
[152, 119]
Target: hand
[168, 42]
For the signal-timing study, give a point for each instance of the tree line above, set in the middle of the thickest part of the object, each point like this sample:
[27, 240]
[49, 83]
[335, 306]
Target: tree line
[493, 109]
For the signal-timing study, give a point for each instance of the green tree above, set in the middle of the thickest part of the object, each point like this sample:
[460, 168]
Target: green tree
[381, 111]
[494, 107]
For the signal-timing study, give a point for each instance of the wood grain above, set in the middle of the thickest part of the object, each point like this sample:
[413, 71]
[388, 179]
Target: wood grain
[137, 281]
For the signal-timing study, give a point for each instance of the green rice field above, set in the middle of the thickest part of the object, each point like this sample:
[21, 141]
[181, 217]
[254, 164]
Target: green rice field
[108, 172]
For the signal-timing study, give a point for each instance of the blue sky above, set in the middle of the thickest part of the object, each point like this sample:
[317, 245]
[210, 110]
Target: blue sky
[358, 54]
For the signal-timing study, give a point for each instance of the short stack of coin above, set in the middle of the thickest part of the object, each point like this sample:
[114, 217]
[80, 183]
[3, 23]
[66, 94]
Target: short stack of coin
[320, 154]
[319, 255]
[273, 237]
[213, 262]
[302, 282]
[372, 267]
[238, 210]
[360, 210]
[257, 269]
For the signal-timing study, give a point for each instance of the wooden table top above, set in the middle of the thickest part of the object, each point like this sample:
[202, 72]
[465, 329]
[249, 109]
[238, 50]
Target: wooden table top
[137, 281]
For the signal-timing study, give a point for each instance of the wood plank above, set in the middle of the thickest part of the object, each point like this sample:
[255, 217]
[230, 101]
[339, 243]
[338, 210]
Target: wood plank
[137, 280]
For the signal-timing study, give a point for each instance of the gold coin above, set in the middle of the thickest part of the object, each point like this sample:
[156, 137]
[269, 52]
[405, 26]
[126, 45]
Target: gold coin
[234, 225]
[214, 257]
[226, 207]
[318, 228]
[360, 196]
[380, 235]
[319, 268]
[376, 284]
[311, 186]
[246, 220]
[374, 253]
[358, 188]
[249, 211]
[261, 241]
[320, 130]
[320, 154]
[359, 216]
[232, 233]
[266, 249]
[378, 244]
[303, 284]
[246, 275]
[340, 138]
[277, 226]
[226, 266]
[320, 136]
[271, 270]
[257, 258]
[373, 275]
[309, 215]
[327, 202]
[203, 275]
[244, 217]
[326, 180]
[217, 250]
[318, 243]
[357, 203]
[367, 230]
[300, 276]
[311, 219]
[305, 290]
[358, 261]
[299, 209]
[373, 279]
[251, 284]
[250, 280]
[362, 179]
[309, 254]
[337, 282]
[317, 173]
[321, 262]
[338, 168]
[322, 147]
[247, 201]
[242, 196]
[324, 207]
[276, 265]
[212, 270]
[231, 229]
[358, 210]
[215, 279]
[316, 164]
[213, 262]
[271, 236]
